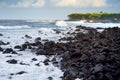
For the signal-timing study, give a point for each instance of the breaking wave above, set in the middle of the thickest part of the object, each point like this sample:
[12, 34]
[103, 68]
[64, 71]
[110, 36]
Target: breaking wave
[15, 27]
[61, 23]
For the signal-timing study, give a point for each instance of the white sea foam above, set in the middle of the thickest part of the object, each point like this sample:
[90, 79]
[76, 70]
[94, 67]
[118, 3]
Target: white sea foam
[78, 79]
[94, 25]
[33, 20]
[61, 23]
[15, 27]
[34, 72]
[40, 20]
[16, 37]
[77, 22]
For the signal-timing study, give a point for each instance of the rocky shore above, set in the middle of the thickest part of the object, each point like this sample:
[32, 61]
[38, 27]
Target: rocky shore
[89, 55]
[93, 56]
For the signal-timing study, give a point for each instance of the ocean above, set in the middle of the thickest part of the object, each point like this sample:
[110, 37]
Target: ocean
[15, 30]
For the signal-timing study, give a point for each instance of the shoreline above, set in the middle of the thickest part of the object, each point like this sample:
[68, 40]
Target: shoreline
[86, 53]
[96, 20]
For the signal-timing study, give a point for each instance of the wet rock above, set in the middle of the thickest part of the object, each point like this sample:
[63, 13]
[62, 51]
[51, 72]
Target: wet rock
[94, 55]
[100, 57]
[109, 76]
[45, 40]
[78, 29]
[68, 76]
[56, 63]
[30, 47]
[83, 57]
[14, 52]
[105, 49]
[12, 74]
[27, 36]
[8, 50]
[50, 78]
[57, 31]
[38, 39]
[38, 44]
[38, 64]
[70, 38]
[3, 43]
[49, 44]
[12, 61]
[79, 36]
[1, 34]
[9, 56]
[1, 49]
[21, 72]
[66, 55]
[46, 61]
[17, 47]
[34, 59]
[63, 39]
[21, 63]
[24, 46]
[98, 68]
[92, 77]
[41, 52]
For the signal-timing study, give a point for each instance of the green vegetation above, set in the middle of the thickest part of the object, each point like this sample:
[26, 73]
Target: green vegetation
[101, 15]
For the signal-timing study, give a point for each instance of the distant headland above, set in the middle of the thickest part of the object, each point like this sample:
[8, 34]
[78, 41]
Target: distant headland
[96, 17]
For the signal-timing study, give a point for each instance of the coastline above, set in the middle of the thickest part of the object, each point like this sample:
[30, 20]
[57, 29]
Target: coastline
[96, 20]
[84, 53]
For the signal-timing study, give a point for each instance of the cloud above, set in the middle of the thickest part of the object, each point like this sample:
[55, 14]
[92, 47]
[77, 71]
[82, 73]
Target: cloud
[2, 3]
[81, 3]
[29, 3]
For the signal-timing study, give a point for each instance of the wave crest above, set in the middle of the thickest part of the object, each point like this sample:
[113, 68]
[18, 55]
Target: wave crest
[15, 27]
[61, 23]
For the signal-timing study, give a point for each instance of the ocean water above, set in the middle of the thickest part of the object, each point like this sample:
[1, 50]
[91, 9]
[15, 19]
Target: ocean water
[14, 31]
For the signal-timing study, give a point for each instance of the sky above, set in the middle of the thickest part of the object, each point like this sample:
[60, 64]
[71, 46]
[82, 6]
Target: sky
[53, 9]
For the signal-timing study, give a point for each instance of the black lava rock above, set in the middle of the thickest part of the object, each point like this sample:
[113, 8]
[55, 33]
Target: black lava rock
[38, 39]
[27, 36]
[12, 61]
[34, 59]
[17, 47]
[41, 52]
[8, 50]
[1, 49]
[1, 34]
[95, 58]
[20, 73]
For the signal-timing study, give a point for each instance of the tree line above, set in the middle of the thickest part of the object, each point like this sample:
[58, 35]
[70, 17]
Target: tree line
[101, 15]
